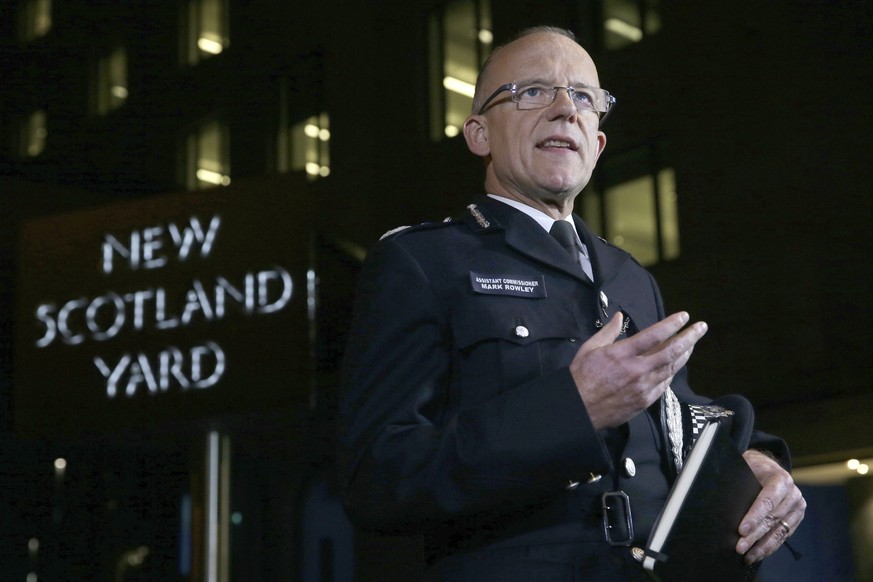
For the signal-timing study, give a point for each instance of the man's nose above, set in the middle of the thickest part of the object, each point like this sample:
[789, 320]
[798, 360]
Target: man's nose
[562, 104]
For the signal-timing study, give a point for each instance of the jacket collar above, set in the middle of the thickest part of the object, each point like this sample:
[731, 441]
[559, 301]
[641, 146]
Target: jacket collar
[523, 234]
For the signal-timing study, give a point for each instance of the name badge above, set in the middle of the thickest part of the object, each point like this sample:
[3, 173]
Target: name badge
[516, 286]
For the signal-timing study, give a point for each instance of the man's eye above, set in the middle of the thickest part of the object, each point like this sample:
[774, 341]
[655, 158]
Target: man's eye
[583, 96]
[532, 91]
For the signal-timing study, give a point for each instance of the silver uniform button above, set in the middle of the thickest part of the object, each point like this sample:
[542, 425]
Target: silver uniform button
[592, 478]
[521, 331]
[638, 554]
[630, 469]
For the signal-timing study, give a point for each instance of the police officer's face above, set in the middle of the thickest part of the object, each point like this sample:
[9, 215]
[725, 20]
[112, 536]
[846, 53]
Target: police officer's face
[542, 157]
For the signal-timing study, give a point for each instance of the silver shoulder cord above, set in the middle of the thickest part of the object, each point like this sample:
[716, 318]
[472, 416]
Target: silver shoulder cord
[674, 426]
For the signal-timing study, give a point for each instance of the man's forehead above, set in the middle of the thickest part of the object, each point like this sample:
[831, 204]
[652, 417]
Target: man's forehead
[541, 56]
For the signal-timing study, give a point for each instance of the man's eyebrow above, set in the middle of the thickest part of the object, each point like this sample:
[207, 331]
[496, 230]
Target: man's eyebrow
[543, 82]
[546, 83]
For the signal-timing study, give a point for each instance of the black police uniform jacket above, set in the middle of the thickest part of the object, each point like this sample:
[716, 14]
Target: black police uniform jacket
[459, 417]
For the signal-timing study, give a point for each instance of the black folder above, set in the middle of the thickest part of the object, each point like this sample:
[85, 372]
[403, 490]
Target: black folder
[695, 536]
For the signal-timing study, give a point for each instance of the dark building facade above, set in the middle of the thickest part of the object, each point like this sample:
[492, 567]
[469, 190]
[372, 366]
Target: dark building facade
[736, 169]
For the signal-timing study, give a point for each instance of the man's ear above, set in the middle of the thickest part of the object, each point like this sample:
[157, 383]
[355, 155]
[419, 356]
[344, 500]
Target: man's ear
[601, 143]
[476, 134]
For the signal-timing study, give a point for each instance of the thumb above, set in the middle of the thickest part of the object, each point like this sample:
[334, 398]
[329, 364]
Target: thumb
[606, 335]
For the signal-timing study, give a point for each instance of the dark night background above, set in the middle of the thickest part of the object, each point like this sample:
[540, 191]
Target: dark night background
[762, 109]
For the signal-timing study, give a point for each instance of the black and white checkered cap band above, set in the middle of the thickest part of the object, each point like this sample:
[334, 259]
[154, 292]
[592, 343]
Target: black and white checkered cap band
[701, 414]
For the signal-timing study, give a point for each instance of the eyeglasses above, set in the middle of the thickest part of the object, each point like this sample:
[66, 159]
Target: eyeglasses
[535, 96]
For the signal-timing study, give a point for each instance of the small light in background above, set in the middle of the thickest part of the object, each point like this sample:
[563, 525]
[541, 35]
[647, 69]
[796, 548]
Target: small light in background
[209, 45]
[624, 29]
[460, 87]
[311, 130]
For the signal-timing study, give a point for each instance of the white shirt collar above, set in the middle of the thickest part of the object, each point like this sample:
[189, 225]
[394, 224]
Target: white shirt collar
[546, 222]
[543, 219]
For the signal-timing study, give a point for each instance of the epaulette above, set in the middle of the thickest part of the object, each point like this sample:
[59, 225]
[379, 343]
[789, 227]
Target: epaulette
[611, 245]
[417, 227]
[617, 248]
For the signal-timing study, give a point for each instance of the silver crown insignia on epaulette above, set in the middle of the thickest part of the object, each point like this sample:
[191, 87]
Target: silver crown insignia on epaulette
[480, 218]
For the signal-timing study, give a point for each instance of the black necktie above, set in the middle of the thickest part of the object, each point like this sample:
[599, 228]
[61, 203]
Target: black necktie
[565, 234]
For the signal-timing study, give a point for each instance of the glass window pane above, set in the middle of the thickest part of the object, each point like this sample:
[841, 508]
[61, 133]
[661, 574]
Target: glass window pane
[668, 201]
[638, 193]
[652, 17]
[621, 23]
[36, 19]
[33, 134]
[631, 223]
[485, 33]
[208, 156]
[207, 29]
[323, 145]
[465, 41]
[435, 77]
[111, 81]
[460, 60]
[310, 146]
[591, 210]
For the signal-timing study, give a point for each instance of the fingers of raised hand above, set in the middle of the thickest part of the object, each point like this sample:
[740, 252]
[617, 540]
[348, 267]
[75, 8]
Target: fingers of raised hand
[664, 341]
[660, 364]
[655, 335]
[622, 378]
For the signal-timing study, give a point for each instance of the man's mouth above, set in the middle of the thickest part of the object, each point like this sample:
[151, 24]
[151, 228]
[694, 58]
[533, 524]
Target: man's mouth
[558, 143]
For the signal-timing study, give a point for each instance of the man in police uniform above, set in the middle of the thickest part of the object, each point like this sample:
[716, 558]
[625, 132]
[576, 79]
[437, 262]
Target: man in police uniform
[496, 385]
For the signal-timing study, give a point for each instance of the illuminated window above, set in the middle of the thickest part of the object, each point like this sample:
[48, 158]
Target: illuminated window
[35, 19]
[208, 159]
[207, 26]
[634, 205]
[306, 146]
[34, 131]
[628, 21]
[111, 89]
[460, 41]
